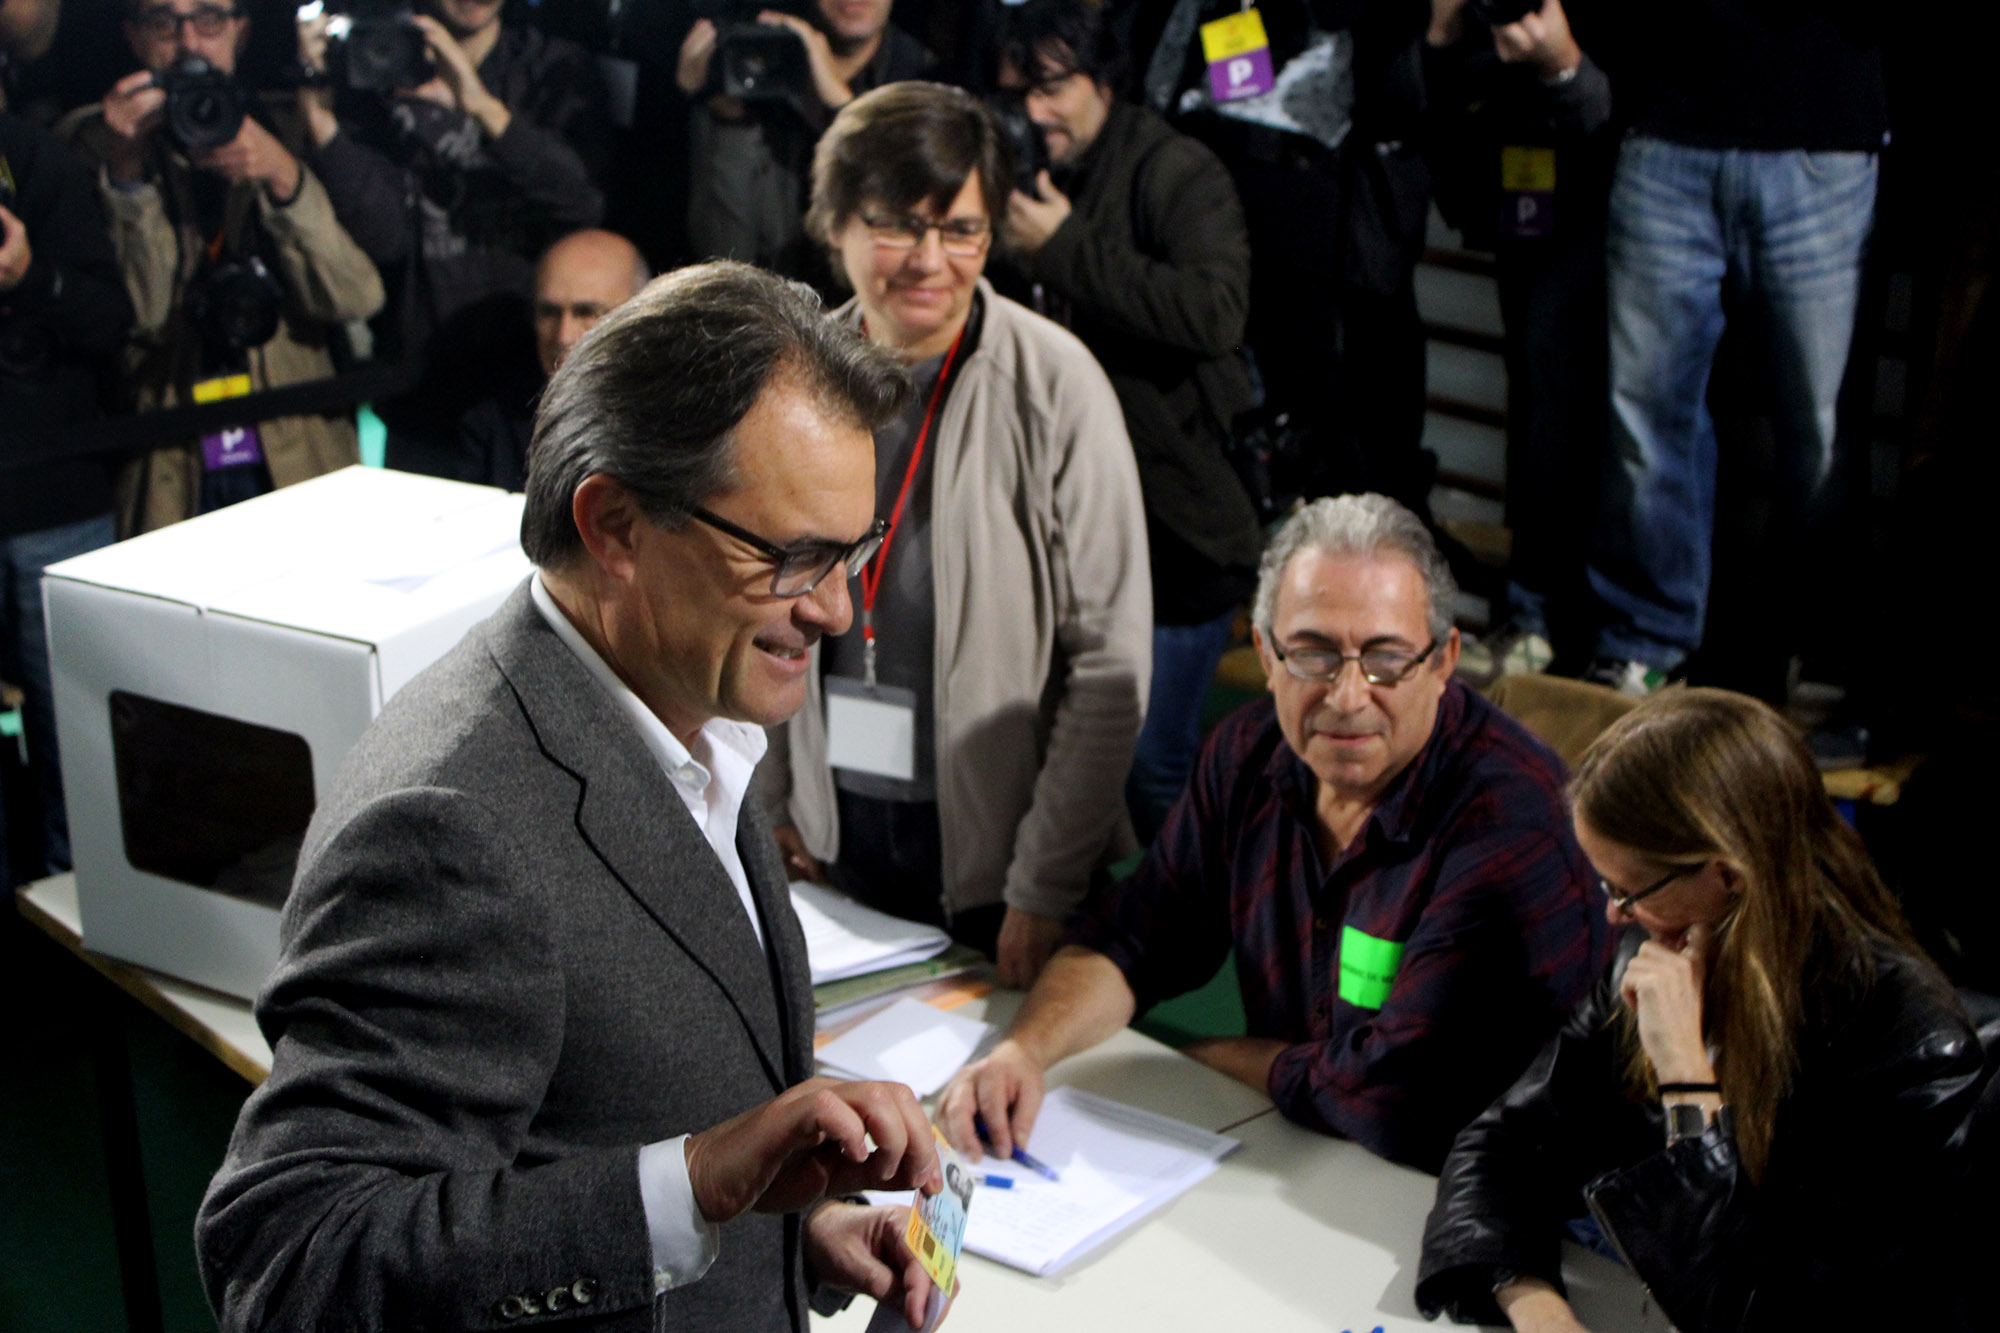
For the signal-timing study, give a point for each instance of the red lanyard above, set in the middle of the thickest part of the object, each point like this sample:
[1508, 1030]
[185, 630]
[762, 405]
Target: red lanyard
[871, 575]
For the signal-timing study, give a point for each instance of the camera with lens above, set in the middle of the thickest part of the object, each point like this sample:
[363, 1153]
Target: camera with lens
[761, 62]
[376, 47]
[235, 306]
[205, 107]
[1025, 138]
[1500, 13]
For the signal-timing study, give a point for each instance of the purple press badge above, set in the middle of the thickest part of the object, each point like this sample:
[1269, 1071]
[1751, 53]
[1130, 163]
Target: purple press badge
[231, 448]
[1238, 55]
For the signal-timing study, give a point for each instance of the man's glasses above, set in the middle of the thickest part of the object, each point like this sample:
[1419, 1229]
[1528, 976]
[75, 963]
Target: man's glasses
[964, 237]
[163, 23]
[1624, 901]
[1379, 666]
[797, 570]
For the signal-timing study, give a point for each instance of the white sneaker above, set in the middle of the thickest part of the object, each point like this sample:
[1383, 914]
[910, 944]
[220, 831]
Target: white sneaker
[1635, 680]
[1507, 651]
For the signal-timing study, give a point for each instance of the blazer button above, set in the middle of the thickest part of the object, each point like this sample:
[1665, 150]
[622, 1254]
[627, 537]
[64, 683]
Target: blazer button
[556, 1300]
[511, 1308]
[584, 1290]
[530, 1304]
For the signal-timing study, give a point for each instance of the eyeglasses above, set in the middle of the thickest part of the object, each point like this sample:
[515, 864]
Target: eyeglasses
[797, 570]
[163, 23]
[965, 237]
[1624, 901]
[1379, 666]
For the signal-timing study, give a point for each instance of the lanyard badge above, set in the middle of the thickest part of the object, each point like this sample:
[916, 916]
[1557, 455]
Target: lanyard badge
[1238, 55]
[1527, 191]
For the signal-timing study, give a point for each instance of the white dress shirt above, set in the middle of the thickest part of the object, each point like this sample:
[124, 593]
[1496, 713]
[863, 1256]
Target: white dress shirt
[712, 780]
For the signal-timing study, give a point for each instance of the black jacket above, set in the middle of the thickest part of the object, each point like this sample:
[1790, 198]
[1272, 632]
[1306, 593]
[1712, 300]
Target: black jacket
[1153, 265]
[58, 329]
[1846, 1228]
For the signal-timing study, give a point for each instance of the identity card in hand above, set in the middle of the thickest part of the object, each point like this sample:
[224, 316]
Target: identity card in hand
[937, 1222]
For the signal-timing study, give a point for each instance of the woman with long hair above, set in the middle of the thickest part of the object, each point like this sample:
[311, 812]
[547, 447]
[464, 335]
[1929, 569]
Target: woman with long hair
[1754, 1108]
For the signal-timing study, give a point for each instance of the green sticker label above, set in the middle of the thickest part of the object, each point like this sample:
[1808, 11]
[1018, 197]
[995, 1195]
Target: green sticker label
[1367, 968]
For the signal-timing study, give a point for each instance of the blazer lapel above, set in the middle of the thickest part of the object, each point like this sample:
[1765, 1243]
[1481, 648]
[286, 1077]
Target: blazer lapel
[791, 970]
[637, 825]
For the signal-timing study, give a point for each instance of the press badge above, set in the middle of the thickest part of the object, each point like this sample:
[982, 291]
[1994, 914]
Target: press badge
[237, 446]
[1527, 191]
[1238, 55]
[871, 728]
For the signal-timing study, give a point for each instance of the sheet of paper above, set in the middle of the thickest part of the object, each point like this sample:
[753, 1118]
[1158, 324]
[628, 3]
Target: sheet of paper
[846, 939]
[1116, 1164]
[908, 1042]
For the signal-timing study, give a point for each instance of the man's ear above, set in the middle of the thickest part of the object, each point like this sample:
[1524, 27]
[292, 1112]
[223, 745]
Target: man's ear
[1264, 654]
[610, 522]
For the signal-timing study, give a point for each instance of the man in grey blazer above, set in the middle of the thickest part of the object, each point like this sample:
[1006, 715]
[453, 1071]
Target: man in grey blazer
[542, 1027]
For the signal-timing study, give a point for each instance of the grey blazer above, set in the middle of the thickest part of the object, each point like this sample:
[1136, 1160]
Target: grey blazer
[510, 959]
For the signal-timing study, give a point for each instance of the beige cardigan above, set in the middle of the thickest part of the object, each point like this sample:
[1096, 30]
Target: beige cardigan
[1044, 629]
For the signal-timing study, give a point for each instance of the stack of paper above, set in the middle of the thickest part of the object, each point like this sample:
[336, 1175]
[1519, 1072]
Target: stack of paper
[908, 1042]
[1116, 1164]
[845, 939]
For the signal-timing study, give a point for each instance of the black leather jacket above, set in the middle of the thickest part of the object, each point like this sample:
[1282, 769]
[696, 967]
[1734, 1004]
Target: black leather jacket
[1843, 1232]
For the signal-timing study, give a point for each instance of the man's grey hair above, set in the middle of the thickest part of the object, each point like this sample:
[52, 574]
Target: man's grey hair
[652, 397]
[1365, 525]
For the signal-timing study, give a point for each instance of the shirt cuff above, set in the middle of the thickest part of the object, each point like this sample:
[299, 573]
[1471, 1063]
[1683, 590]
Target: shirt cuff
[684, 1242]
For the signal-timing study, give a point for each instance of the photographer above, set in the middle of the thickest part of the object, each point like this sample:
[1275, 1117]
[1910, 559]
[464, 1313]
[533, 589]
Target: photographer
[237, 269]
[1137, 237]
[63, 313]
[453, 182]
[749, 158]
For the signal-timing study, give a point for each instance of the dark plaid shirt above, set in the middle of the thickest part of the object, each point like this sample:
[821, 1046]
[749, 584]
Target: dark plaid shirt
[1467, 863]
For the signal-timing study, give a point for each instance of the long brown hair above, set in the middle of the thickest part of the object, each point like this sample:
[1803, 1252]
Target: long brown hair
[1699, 774]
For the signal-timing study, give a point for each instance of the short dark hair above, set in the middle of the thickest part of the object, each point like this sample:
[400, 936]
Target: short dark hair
[905, 144]
[651, 397]
[1075, 35]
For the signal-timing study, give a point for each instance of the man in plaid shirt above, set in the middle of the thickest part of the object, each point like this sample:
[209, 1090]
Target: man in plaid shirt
[1388, 854]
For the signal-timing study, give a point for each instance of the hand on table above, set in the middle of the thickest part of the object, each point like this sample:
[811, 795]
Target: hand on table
[1533, 1306]
[1004, 1090]
[799, 863]
[1027, 941]
[1663, 987]
[809, 1142]
[1245, 1059]
[861, 1249]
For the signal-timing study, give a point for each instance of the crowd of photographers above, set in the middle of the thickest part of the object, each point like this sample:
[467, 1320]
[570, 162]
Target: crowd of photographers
[212, 200]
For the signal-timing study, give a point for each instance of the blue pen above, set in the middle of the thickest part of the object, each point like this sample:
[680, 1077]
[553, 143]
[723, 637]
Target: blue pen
[1020, 1154]
[997, 1182]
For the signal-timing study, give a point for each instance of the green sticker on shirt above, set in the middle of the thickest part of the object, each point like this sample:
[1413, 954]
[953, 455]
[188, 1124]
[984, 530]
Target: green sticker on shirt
[1367, 968]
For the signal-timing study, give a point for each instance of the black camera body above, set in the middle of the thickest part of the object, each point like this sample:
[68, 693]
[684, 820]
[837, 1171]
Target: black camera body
[235, 305]
[761, 62]
[379, 49]
[1026, 140]
[205, 106]
[1500, 13]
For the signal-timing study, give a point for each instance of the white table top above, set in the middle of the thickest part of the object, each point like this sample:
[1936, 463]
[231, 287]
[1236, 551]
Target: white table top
[219, 1023]
[1295, 1231]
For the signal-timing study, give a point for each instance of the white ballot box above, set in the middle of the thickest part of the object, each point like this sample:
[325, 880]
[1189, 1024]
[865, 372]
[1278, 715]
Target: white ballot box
[210, 677]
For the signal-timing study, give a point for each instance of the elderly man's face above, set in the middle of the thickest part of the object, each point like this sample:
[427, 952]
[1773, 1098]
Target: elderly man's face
[580, 281]
[1356, 737]
[709, 638]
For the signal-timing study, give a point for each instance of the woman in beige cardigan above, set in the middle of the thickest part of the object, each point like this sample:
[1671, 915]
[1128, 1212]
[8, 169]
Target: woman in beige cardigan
[964, 758]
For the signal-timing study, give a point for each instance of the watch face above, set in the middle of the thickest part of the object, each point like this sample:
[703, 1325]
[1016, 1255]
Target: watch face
[1685, 1121]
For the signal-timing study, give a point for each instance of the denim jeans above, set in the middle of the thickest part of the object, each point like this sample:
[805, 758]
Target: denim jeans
[1184, 662]
[1786, 232]
[24, 660]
